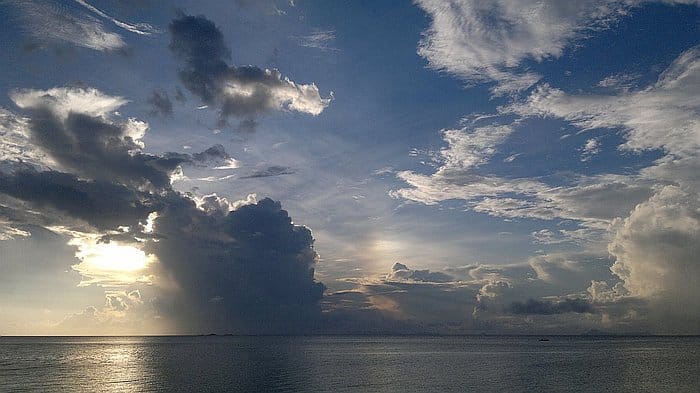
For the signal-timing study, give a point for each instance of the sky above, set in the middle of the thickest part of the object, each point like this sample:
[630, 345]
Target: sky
[332, 167]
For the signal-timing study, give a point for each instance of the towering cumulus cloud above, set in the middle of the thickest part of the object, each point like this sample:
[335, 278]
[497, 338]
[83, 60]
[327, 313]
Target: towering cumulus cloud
[210, 264]
[657, 252]
[244, 91]
[248, 270]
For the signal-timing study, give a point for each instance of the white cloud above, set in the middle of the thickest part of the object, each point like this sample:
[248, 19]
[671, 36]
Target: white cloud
[591, 148]
[512, 157]
[472, 148]
[64, 100]
[595, 199]
[603, 292]
[51, 22]
[619, 82]
[656, 250]
[14, 142]
[456, 178]
[661, 116]
[546, 236]
[658, 245]
[301, 98]
[8, 232]
[216, 205]
[321, 39]
[483, 41]
[274, 92]
[139, 28]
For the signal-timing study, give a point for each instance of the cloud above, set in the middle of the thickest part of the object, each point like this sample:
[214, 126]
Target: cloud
[110, 264]
[215, 157]
[592, 203]
[483, 42]
[321, 39]
[457, 177]
[8, 232]
[64, 100]
[620, 82]
[472, 148]
[603, 292]
[545, 307]
[101, 204]
[591, 148]
[55, 23]
[569, 272]
[123, 312]
[591, 199]
[661, 116]
[656, 250]
[252, 260]
[211, 264]
[76, 129]
[14, 141]
[160, 103]
[138, 28]
[244, 91]
[274, 170]
[400, 272]
[546, 295]
[648, 220]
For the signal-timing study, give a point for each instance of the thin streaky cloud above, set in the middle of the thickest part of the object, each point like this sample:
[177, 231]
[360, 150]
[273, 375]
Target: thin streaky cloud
[139, 28]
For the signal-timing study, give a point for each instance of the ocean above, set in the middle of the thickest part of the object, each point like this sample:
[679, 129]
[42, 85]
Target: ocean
[350, 364]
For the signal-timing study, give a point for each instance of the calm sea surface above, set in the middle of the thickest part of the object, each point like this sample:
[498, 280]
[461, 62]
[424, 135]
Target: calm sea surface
[349, 364]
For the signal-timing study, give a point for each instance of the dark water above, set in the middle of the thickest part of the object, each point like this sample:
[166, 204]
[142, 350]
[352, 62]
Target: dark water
[350, 364]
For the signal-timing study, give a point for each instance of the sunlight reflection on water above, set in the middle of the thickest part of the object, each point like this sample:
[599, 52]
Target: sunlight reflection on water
[357, 364]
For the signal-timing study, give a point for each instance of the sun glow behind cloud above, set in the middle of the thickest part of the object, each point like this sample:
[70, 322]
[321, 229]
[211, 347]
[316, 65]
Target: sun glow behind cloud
[110, 264]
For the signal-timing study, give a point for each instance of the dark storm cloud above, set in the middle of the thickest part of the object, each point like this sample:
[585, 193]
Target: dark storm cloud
[95, 148]
[244, 91]
[270, 171]
[160, 103]
[546, 307]
[102, 204]
[249, 271]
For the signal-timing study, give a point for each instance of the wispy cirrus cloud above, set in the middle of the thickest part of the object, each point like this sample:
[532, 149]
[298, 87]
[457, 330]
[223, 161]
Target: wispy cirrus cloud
[138, 28]
[55, 23]
[320, 39]
[488, 41]
[660, 116]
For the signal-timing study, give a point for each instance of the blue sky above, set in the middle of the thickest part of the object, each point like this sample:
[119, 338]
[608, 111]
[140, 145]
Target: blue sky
[530, 165]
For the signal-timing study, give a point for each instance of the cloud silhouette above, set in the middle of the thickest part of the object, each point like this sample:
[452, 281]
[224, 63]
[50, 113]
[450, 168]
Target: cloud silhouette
[243, 91]
[228, 267]
[546, 307]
